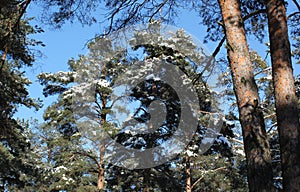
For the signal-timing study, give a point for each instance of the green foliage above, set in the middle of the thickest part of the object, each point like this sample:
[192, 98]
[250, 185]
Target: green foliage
[14, 33]
[57, 12]
[18, 163]
[14, 145]
[61, 157]
[16, 160]
[122, 13]
[294, 23]
[73, 154]
[216, 173]
[74, 157]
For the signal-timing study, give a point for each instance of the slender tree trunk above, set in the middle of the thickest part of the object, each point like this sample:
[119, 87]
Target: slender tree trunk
[285, 97]
[2, 188]
[100, 182]
[256, 146]
[188, 174]
[146, 182]
[49, 153]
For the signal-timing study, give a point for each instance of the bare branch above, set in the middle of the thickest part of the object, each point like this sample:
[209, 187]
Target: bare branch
[292, 14]
[158, 9]
[262, 71]
[297, 4]
[236, 140]
[272, 126]
[271, 115]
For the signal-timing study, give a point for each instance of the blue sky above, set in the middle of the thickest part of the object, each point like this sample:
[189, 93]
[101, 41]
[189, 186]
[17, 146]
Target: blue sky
[68, 42]
[61, 45]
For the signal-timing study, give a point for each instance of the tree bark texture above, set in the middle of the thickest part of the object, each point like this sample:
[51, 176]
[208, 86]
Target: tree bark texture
[100, 182]
[146, 182]
[285, 97]
[101, 179]
[256, 146]
[188, 174]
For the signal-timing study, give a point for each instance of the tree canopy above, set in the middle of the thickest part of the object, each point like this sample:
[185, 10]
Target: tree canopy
[92, 138]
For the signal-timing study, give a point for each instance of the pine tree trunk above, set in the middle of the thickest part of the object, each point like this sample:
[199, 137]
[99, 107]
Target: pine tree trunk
[256, 146]
[100, 182]
[285, 97]
[188, 174]
[146, 183]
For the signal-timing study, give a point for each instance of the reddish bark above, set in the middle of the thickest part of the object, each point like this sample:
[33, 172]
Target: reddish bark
[100, 182]
[257, 150]
[188, 174]
[285, 97]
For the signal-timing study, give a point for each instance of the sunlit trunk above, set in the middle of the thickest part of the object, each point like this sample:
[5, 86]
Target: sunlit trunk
[100, 182]
[256, 146]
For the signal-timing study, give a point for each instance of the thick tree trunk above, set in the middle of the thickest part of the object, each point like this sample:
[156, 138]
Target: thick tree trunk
[188, 174]
[256, 144]
[285, 96]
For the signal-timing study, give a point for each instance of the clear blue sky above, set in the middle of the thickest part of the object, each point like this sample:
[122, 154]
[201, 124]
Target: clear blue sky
[68, 42]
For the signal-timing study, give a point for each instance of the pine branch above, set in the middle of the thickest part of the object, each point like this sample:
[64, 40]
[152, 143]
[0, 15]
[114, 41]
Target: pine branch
[89, 156]
[257, 12]
[24, 5]
[209, 171]
[293, 14]
[21, 6]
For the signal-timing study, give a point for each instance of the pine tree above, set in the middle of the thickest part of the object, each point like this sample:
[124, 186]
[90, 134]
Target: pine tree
[76, 141]
[60, 118]
[14, 144]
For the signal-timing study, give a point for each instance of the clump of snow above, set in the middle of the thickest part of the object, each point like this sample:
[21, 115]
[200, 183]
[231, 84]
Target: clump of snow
[67, 179]
[230, 123]
[191, 153]
[222, 139]
[240, 152]
[59, 168]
